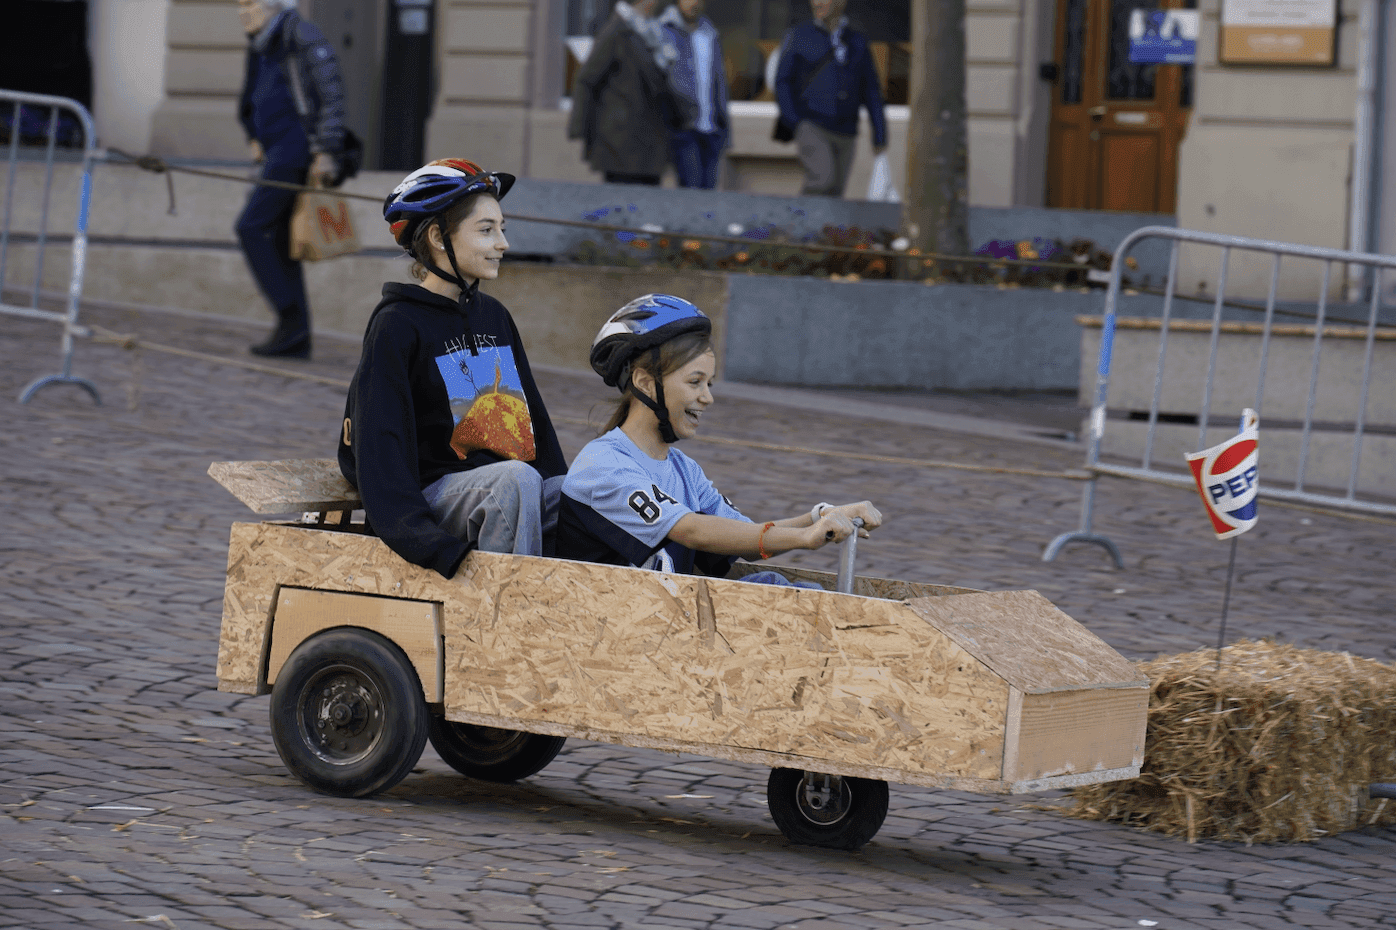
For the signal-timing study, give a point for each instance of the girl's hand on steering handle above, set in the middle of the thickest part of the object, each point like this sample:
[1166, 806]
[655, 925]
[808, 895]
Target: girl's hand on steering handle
[833, 527]
[863, 510]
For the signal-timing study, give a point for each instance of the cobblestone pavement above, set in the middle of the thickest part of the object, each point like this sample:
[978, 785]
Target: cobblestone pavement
[133, 793]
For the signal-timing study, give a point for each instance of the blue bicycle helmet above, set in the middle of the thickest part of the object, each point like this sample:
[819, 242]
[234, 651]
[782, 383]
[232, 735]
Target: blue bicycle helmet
[423, 196]
[644, 324]
[434, 188]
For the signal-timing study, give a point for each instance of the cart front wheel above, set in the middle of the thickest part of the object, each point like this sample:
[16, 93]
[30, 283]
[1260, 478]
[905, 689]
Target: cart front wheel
[347, 713]
[833, 811]
[492, 754]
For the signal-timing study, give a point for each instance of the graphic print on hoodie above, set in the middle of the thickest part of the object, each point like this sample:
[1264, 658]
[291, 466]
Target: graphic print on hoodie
[487, 401]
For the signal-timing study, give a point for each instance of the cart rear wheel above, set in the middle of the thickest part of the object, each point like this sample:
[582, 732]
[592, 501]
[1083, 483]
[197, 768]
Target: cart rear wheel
[837, 812]
[347, 713]
[492, 754]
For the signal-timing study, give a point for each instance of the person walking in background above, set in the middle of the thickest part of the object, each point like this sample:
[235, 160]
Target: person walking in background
[700, 75]
[622, 105]
[292, 109]
[824, 76]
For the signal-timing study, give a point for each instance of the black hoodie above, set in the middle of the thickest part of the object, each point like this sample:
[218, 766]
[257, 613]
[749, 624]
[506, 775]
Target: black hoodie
[436, 393]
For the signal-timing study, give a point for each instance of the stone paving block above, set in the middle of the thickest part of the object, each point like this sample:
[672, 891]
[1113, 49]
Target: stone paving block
[686, 910]
[822, 907]
[785, 912]
[750, 920]
[587, 919]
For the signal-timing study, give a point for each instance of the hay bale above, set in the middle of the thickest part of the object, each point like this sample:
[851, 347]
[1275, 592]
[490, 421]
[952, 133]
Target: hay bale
[1279, 746]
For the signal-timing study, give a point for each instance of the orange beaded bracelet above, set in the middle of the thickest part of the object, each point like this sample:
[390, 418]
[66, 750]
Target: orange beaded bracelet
[761, 541]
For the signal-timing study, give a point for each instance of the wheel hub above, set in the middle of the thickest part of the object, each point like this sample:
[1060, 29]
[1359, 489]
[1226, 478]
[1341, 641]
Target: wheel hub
[342, 715]
[823, 799]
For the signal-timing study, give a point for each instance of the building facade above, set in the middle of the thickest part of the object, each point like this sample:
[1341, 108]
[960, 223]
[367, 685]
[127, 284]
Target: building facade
[1058, 113]
[499, 69]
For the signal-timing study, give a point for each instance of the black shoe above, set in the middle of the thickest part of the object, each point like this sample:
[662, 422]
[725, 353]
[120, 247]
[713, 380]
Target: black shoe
[290, 339]
[284, 345]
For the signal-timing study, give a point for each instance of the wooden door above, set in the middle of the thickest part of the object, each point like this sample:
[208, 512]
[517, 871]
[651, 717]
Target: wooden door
[1116, 125]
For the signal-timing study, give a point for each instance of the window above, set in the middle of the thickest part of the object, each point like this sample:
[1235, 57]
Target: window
[752, 30]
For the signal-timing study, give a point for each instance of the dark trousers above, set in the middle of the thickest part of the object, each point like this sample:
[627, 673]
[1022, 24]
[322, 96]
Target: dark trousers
[697, 156]
[264, 229]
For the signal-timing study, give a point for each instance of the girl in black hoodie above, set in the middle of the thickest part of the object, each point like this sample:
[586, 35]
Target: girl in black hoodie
[445, 434]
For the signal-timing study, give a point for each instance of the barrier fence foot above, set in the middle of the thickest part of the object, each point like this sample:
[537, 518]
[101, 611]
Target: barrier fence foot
[1056, 545]
[38, 383]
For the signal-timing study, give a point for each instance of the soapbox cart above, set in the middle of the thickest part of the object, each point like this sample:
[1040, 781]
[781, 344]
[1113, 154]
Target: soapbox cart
[366, 657]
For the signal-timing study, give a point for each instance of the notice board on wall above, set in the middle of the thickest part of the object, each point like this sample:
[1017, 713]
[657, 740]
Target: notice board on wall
[1163, 37]
[1278, 32]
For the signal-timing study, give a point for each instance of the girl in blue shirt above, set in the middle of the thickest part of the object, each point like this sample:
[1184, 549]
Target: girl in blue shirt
[631, 498]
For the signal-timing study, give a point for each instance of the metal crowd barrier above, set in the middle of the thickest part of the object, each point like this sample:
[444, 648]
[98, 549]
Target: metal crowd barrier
[18, 103]
[1317, 419]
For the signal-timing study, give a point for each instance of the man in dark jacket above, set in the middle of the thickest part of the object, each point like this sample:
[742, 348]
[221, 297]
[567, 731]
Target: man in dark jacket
[292, 109]
[825, 76]
[622, 107]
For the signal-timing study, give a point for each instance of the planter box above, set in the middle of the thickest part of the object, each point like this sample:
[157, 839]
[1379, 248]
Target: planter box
[801, 332]
[900, 334]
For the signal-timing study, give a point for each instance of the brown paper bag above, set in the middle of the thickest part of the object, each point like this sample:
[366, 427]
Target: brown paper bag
[322, 226]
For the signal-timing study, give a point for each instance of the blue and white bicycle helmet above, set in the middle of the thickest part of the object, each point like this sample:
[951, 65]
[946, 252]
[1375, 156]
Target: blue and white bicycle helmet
[642, 325]
[433, 189]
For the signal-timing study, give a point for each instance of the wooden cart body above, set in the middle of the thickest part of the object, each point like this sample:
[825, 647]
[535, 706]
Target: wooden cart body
[995, 692]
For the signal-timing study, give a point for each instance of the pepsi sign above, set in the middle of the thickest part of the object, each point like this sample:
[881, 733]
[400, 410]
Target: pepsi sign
[1228, 479]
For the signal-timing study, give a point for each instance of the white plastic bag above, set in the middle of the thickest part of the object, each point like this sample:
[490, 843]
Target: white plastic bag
[880, 186]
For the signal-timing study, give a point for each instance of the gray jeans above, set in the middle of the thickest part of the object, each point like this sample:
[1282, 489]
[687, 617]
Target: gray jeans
[504, 507]
[827, 158]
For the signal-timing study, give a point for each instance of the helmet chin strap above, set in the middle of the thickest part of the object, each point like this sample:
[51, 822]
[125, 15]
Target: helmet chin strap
[656, 403]
[467, 291]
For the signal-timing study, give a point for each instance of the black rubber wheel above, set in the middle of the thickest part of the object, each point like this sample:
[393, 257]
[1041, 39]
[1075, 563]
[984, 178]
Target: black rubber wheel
[836, 812]
[347, 713]
[492, 754]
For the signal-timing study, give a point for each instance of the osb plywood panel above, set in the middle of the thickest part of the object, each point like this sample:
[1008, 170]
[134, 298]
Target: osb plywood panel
[415, 626]
[289, 486]
[1063, 732]
[1029, 642]
[863, 585]
[773, 675]
[248, 593]
[719, 662]
[263, 557]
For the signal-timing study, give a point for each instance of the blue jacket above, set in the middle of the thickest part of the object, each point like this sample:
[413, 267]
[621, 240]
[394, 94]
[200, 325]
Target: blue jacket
[835, 93]
[297, 75]
[684, 77]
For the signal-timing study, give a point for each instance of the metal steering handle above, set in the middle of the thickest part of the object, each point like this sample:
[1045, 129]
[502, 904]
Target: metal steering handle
[846, 558]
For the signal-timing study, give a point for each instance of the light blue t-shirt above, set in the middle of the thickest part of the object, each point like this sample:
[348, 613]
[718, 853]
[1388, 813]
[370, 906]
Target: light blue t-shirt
[619, 505]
